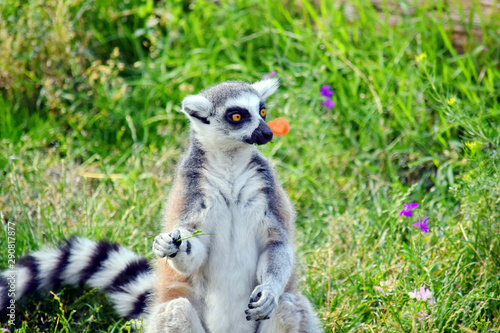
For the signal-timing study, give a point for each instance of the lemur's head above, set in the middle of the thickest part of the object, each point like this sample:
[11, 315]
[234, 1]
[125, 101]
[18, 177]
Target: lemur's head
[231, 113]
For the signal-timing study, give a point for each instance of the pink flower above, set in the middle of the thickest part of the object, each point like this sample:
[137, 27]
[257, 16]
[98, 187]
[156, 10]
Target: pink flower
[407, 209]
[423, 294]
[267, 76]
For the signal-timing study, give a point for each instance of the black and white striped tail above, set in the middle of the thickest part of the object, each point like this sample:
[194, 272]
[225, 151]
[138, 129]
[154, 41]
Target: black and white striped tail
[126, 277]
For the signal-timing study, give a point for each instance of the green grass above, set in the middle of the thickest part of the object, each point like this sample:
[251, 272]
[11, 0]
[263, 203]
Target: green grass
[94, 87]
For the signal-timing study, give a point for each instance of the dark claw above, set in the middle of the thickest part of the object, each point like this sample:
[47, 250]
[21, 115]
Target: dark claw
[250, 306]
[176, 235]
[256, 297]
[248, 318]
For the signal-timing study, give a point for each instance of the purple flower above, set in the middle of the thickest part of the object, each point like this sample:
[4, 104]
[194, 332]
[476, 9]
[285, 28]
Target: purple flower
[329, 103]
[422, 316]
[407, 209]
[422, 225]
[325, 91]
[267, 76]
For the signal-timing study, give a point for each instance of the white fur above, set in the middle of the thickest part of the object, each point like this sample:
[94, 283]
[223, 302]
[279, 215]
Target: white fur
[267, 87]
[200, 106]
[22, 278]
[47, 260]
[293, 315]
[235, 247]
[82, 250]
[247, 101]
[177, 315]
[187, 263]
[114, 264]
[231, 267]
[197, 103]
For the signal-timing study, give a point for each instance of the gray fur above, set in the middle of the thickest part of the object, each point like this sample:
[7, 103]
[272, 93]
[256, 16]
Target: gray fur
[219, 93]
[191, 170]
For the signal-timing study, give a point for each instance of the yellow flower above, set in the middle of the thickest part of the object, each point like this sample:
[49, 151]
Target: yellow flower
[421, 57]
[115, 53]
[472, 145]
[472, 148]
[451, 101]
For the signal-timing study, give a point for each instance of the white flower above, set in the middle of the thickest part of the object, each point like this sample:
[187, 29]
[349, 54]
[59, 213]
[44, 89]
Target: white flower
[414, 294]
[379, 289]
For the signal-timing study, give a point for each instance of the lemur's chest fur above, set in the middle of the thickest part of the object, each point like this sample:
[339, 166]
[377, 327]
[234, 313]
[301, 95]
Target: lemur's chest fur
[233, 192]
[235, 207]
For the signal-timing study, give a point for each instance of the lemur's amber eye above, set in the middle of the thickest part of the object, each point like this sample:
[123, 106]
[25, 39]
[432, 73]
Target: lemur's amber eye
[236, 117]
[263, 112]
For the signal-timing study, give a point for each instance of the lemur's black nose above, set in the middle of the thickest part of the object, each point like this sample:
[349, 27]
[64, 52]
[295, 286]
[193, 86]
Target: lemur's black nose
[261, 135]
[267, 134]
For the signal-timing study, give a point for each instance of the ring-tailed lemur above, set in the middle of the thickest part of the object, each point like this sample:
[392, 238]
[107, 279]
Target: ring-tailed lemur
[238, 279]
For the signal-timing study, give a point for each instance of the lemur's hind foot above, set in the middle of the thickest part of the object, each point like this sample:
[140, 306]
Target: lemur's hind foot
[175, 316]
[294, 314]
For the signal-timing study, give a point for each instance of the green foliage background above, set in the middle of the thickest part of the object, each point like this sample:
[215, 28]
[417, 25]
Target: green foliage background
[90, 132]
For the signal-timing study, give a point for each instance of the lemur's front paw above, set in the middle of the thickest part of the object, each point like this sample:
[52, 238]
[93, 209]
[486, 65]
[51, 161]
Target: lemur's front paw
[263, 302]
[167, 244]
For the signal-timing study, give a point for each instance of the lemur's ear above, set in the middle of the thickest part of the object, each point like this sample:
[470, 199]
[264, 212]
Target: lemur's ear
[198, 107]
[266, 87]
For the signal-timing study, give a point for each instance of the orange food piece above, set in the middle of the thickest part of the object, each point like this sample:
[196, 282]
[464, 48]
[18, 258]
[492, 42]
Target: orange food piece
[279, 126]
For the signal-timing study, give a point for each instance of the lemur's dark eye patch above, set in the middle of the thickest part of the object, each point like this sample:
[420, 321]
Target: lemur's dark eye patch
[237, 115]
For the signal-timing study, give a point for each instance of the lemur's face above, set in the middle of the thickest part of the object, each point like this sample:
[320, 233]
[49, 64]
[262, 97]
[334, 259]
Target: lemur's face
[231, 113]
